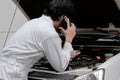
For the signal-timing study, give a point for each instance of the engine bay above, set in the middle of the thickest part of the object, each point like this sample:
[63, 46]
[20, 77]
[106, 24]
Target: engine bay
[95, 48]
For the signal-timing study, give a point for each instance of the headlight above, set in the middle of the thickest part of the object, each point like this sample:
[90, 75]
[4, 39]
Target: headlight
[95, 75]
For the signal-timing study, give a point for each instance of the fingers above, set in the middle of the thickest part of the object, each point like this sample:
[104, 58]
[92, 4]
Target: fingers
[61, 28]
[68, 23]
[77, 52]
[73, 25]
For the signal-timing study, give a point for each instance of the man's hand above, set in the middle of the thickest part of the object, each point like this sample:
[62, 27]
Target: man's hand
[75, 53]
[70, 32]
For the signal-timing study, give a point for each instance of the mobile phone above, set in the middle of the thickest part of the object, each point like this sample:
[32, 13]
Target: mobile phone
[64, 22]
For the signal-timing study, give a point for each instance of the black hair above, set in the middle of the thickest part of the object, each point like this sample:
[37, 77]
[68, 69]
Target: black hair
[57, 8]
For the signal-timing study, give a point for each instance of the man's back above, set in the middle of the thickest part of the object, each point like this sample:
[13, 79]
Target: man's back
[25, 46]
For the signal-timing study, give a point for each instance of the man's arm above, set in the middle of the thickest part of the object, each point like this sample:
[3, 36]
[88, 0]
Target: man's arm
[57, 56]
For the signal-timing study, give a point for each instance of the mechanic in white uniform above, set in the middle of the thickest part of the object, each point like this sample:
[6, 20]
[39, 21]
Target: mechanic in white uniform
[36, 39]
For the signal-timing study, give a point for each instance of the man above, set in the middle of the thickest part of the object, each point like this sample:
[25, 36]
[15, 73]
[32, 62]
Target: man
[37, 39]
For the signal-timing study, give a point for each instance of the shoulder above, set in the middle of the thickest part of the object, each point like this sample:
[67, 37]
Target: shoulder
[44, 29]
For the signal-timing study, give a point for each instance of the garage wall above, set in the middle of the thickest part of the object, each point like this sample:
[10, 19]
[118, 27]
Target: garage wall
[11, 19]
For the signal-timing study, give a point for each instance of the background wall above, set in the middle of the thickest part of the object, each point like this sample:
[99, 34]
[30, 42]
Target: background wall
[11, 19]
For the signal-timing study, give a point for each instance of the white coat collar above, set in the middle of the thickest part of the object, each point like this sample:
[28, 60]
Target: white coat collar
[47, 18]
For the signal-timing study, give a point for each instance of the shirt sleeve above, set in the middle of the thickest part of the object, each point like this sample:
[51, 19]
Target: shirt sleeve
[57, 56]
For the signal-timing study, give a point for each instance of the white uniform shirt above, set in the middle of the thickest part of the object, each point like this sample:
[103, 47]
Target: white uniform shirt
[34, 40]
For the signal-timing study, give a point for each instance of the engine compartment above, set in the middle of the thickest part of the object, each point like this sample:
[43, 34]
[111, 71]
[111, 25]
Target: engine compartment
[95, 49]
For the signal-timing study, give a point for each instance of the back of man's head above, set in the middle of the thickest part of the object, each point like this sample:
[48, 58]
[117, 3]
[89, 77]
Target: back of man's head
[57, 8]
